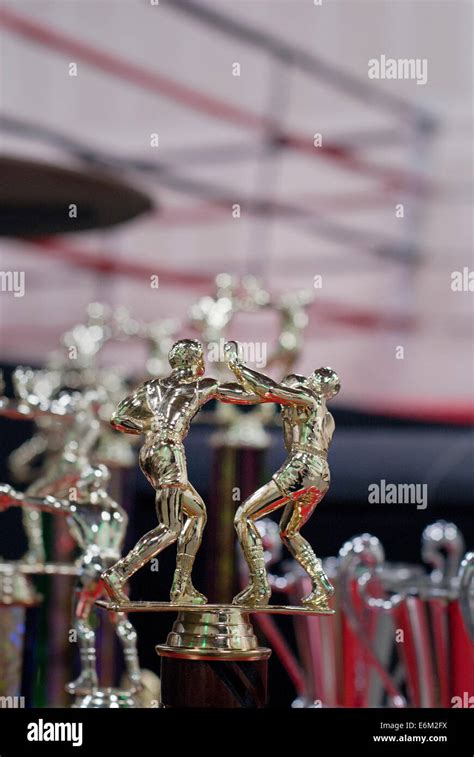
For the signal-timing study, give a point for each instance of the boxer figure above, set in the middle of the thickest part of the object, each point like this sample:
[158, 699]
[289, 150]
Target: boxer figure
[299, 484]
[163, 409]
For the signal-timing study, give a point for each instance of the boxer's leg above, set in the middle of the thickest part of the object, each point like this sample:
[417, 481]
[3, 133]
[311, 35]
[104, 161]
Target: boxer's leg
[168, 509]
[295, 515]
[194, 510]
[262, 502]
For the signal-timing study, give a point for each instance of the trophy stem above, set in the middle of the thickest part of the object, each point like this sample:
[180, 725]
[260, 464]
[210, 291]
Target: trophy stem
[212, 659]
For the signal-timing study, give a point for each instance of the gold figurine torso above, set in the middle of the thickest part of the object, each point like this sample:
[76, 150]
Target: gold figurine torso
[308, 431]
[171, 406]
[308, 427]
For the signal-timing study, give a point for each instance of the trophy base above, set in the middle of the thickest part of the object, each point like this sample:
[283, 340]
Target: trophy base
[105, 699]
[212, 659]
[213, 634]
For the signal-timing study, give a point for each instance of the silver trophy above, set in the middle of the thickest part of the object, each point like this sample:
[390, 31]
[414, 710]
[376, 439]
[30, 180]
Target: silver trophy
[401, 637]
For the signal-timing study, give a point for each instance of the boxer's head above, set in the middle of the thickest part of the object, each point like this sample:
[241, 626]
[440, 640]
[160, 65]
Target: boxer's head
[325, 382]
[187, 355]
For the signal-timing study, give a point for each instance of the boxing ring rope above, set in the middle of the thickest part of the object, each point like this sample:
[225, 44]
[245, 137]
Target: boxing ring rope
[57, 249]
[198, 101]
[222, 197]
[306, 62]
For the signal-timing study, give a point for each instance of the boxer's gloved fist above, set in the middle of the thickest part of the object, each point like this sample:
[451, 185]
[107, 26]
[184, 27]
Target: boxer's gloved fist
[231, 352]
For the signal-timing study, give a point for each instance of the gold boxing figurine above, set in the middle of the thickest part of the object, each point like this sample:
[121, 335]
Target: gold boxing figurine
[299, 484]
[163, 409]
[98, 525]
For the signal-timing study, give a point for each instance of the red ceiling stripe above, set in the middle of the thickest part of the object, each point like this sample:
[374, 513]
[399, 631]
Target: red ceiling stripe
[155, 82]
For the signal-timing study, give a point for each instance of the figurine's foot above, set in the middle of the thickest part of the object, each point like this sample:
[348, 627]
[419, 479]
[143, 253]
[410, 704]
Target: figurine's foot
[187, 595]
[253, 596]
[86, 682]
[315, 603]
[113, 584]
[325, 583]
[317, 599]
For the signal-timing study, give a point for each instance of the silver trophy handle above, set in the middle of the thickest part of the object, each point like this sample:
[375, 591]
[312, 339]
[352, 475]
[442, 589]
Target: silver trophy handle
[442, 547]
[366, 552]
[466, 576]
[362, 559]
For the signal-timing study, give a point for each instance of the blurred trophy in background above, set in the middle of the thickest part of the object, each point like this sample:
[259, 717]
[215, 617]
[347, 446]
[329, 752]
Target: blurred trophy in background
[17, 594]
[70, 402]
[66, 401]
[98, 525]
[401, 637]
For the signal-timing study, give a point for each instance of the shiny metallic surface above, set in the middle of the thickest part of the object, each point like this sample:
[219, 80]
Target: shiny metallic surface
[162, 409]
[213, 314]
[398, 628]
[106, 699]
[147, 606]
[70, 401]
[213, 631]
[466, 592]
[16, 589]
[300, 483]
[442, 547]
[361, 561]
[98, 524]
[41, 569]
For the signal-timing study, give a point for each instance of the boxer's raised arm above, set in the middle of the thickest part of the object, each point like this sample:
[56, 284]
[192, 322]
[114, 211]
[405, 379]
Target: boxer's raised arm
[258, 383]
[270, 390]
[232, 392]
[229, 392]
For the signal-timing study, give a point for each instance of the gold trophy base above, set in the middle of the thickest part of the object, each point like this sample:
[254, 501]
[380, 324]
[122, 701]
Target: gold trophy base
[212, 659]
[213, 634]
